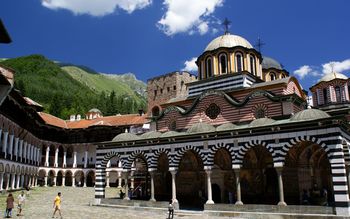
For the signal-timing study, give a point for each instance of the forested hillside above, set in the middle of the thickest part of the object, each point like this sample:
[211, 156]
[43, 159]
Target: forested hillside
[62, 93]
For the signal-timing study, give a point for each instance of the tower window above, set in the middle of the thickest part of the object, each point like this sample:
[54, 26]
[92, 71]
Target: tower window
[209, 68]
[223, 63]
[338, 94]
[239, 62]
[325, 96]
[174, 87]
[252, 65]
[161, 90]
[272, 76]
[168, 89]
[155, 92]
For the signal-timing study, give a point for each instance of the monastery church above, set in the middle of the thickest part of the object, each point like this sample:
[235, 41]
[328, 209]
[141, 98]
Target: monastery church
[239, 133]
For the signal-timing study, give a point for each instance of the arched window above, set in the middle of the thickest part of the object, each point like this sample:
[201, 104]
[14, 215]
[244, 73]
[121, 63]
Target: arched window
[272, 76]
[239, 62]
[209, 68]
[223, 63]
[338, 94]
[325, 96]
[155, 111]
[252, 65]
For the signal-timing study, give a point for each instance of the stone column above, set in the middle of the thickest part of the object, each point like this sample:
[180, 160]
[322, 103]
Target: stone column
[29, 181]
[4, 143]
[7, 181]
[74, 159]
[13, 177]
[210, 197]
[63, 180]
[126, 186]
[173, 185]
[238, 188]
[56, 157]
[132, 186]
[107, 180]
[1, 180]
[16, 149]
[119, 180]
[47, 156]
[20, 154]
[24, 155]
[36, 181]
[152, 185]
[18, 176]
[45, 178]
[11, 147]
[73, 181]
[280, 186]
[64, 165]
[85, 177]
[86, 158]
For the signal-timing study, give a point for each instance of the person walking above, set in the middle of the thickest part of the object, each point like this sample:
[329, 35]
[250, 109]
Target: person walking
[57, 205]
[9, 205]
[171, 210]
[20, 201]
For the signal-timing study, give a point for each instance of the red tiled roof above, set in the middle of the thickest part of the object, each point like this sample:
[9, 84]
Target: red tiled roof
[53, 120]
[120, 120]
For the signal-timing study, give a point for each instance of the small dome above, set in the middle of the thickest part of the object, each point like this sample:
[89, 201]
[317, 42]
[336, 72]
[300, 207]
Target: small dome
[225, 127]
[261, 122]
[332, 76]
[271, 63]
[228, 41]
[309, 114]
[94, 110]
[169, 134]
[125, 137]
[201, 127]
[152, 134]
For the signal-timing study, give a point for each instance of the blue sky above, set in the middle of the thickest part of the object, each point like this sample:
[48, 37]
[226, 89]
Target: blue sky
[150, 38]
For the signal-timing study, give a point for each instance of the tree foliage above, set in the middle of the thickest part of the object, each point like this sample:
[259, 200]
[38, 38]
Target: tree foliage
[46, 83]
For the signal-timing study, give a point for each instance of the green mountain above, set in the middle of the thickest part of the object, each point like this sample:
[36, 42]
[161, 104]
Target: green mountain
[70, 89]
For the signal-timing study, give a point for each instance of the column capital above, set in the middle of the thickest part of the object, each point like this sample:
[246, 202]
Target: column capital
[173, 172]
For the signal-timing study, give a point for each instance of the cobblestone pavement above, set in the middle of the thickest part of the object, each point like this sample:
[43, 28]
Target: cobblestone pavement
[75, 205]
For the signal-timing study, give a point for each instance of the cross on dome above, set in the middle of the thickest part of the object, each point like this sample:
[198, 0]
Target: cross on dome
[226, 24]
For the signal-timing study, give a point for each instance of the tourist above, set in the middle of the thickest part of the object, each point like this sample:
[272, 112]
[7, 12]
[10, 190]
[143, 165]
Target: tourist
[28, 191]
[57, 205]
[171, 210]
[9, 205]
[21, 199]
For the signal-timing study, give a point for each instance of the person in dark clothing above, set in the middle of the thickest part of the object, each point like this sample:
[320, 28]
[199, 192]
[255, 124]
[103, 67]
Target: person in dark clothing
[171, 210]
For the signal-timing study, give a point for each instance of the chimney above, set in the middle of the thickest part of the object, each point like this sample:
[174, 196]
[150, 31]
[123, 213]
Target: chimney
[72, 118]
[78, 117]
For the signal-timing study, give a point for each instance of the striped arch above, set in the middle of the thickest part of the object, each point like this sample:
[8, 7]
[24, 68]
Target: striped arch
[132, 157]
[244, 148]
[215, 148]
[155, 157]
[296, 140]
[179, 154]
[109, 156]
[346, 151]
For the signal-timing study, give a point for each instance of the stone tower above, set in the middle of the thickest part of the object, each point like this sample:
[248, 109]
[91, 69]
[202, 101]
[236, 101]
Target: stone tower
[165, 88]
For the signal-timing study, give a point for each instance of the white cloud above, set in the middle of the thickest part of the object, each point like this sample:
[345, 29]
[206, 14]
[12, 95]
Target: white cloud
[203, 28]
[337, 66]
[185, 16]
[190, 65]
[96, 7]
[303, 71]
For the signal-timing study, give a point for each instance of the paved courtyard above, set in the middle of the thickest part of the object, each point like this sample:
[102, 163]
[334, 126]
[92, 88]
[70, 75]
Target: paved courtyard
[75, 205]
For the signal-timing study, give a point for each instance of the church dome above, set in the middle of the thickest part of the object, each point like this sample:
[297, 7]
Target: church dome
[228, 41]
[94, 110]
[271, 63]
[261, 122]
[125, 137]
[169, 134]
[151, 134]
[225, 127]
[332, 76]
[309, 114]
[201, 127]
